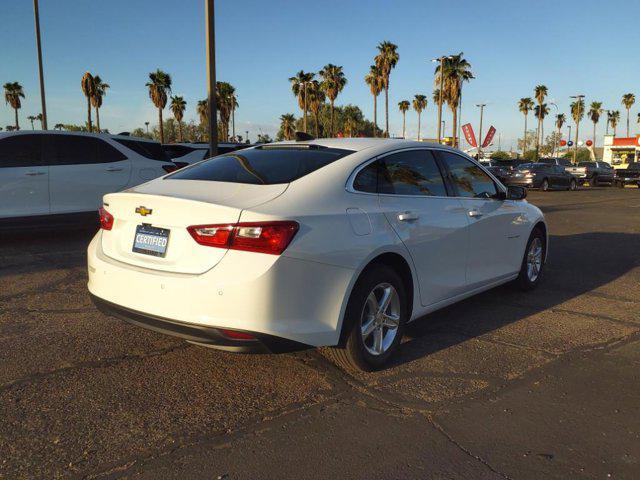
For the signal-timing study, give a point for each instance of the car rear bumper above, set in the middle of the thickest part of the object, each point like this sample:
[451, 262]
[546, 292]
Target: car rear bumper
[269, 296]
[199, 334]
[628, 180]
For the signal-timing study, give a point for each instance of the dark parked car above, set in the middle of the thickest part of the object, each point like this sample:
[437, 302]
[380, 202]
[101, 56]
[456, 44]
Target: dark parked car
[543, 176]
[592, 172]
[627, 176]
[563, 162]
[501, 173]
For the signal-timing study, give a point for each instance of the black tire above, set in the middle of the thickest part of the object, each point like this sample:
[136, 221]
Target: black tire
[594, 181]
[544, 186]
[353, 355]
[619, 184]
[572, 185]
[523, 281]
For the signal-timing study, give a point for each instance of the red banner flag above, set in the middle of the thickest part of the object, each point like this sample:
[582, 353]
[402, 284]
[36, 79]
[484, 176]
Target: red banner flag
[467, 129]
[489, 137]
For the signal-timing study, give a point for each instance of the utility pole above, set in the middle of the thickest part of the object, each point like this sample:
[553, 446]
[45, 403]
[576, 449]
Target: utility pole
[36, 13]
[575, 145]
[441, 59]
[211, 77]
[247, 137]
[481, 105]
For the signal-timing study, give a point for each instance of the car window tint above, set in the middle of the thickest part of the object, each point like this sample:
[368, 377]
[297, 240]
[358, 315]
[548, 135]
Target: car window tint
[150, 150]
[367, 179]
[413, 172]
[177, 151]
[469, 179]
[262, 165]
[77, 150]
[20, 151]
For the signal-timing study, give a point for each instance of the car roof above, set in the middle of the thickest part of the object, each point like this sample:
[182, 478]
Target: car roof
[85, 134]
[363, 143]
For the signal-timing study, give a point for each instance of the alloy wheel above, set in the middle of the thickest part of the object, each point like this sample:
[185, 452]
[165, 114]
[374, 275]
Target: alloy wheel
[380, 319]
[534, 259]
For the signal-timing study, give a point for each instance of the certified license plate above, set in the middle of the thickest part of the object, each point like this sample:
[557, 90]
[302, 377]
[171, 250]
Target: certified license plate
[151, 240]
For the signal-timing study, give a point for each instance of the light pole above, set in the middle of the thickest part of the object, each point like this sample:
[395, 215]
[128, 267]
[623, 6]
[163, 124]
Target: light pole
[569, 137]
[36, 13]
[444, 130]
[579, 104]
[211, 77]
[481, 106]
[555, 142]
[247, 137]
[147, 125]
[441, 59]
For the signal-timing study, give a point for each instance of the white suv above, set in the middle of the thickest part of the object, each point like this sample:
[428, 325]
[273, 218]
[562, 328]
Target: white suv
[51, 173]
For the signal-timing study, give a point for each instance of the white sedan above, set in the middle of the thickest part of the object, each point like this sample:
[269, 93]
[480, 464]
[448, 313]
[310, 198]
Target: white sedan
[328, 242]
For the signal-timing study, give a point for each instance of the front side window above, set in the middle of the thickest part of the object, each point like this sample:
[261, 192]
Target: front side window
[20, 151]
[468, 179]
[412, 172]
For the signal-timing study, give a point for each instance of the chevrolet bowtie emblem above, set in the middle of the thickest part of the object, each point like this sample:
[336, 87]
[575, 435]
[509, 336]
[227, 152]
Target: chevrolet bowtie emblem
[144, 211]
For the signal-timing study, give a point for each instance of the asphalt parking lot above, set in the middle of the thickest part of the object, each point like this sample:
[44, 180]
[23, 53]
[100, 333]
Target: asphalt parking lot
[503, 385]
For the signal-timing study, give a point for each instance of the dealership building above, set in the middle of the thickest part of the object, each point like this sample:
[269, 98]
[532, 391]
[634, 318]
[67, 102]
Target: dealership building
[621, 150]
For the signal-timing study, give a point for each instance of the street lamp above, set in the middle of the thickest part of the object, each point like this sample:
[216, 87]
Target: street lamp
[555, 142]
[481, 106]
[569, 126]
[579, 104]
[440, 91]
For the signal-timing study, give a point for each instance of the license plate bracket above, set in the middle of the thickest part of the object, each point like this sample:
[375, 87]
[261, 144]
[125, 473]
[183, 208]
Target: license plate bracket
[151, 240]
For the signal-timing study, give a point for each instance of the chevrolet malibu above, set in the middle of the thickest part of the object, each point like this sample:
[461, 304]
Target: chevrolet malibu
[334, 242]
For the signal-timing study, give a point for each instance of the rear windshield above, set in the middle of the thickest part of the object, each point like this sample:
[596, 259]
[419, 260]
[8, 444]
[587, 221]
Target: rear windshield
[151, 150]
[262, 165]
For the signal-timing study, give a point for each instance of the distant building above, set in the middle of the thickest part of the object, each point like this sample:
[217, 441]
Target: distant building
[621, 150]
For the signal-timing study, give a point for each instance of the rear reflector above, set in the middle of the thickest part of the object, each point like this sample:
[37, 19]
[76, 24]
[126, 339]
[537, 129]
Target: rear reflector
[262, 237]
[106, 219]
[236, 335]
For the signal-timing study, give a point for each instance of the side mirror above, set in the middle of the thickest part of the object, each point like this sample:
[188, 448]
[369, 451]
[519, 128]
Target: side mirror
[516, 193]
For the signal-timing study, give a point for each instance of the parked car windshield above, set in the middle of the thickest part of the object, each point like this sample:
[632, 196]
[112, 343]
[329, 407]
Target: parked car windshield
[265, 165]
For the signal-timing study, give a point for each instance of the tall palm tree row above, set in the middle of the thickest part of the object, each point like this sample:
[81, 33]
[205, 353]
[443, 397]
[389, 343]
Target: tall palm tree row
[316, 98]
[386, 60]
[88, 88]
[333, 81]
[376, 84]
[99, 91]
[455, 71]
[595, 110]
[32, 118]
[628, 99]
[178, 106]
[419, 104]
[403, 106]
[540, 93]
[159, 86]
[287, 124]
[299, 87]
[13, 92]
[525, 105]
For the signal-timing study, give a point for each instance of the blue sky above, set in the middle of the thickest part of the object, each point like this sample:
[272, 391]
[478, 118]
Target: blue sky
[572, 46]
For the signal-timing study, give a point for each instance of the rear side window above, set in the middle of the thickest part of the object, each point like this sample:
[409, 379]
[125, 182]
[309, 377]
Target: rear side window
[262, 165]
[20, 151]
[413, 172]
[77, 150]
[150, 150]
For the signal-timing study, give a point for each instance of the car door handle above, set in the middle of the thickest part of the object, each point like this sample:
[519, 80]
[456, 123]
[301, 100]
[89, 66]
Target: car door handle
[407, 216]
[114, 169]
[34, 174]
[475, 214]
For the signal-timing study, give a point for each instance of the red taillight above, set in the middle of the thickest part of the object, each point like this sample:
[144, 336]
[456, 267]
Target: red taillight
[235, 334]
[106, 219]
[170, 168]
[262, 237]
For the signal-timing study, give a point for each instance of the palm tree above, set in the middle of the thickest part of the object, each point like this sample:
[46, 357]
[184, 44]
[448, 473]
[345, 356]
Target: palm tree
[456, 70]
[540, 112]
[32, 118]
[540, 93]
[203, 111]
[614, 118]
[299, 85]
[159, 86]
[13, 92]
[419, 104]
[404, 105]
[577, 113]
[99, 91]
[40, 118]
[333, 81]
[225, 98]
[316, 100]
[561, 119]
[376, 84]
[525, 105]
[233, 100]
[287, 124]
[178, 106]
[386, 59]
[58, 126]
[628, 99]
[88, 88]
[595, 110]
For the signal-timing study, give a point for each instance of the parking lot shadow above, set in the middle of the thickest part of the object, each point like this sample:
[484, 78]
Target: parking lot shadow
[577, 264]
